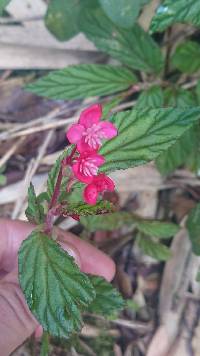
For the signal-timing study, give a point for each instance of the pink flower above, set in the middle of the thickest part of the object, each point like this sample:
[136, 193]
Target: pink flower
[98, 185]
[89, 132]
[86, 166]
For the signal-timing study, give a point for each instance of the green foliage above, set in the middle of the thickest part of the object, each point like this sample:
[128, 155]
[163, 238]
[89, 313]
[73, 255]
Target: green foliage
[62, 17]
[34, 211]
[55, 289]
[133, 47]
[193, 226]
[153, 248]
[187, 57]
[156, 228]
[82, 209]
[108, 301]
[3, 179]
[185, 147]
[45, 344]
[53, 174]
[124, 13]
[82, 81]
[171, 11]
[116, 220]
[145, 134]
[151, 98]
[3, 4]
[108, 221]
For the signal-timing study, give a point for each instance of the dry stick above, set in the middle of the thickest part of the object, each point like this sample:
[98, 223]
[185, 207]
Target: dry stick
[11, 151]
[30, 173]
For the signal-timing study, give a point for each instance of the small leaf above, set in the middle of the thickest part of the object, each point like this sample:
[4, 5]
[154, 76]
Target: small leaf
[124, 14]
[55, 289]
[133, 47]
[108, 301]
[34, 211]
[152, 98]
[156, 228]
[187, 57]
[144, 134]
[193, 226]
[154, 249]
[53, 174]
[3, 4]
[62, 18]
[82, 209]
[3, 179]
[172, 11]
[82, 81]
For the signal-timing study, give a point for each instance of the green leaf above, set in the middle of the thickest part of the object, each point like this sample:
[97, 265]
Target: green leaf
[108, 221]
[185, 146]
[44, 351]
[3, 4]
[187, 57]
[152, 98]
[108, 301]
[144, 134]
[34, 211]
[62, 18]
[133, 47]
[82, 81]
[156, 228]
[124, 14]
[172, 11]
[55, 289]
[53, 174]
[3, 179]
[193, 226]
[154, 249]
[82, 209]
[119, 219]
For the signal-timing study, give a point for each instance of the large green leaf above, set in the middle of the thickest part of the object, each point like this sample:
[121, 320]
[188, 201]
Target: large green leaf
[108, 301]
[187, 57]
[193, 226]
[55, 289]
[154, 249]
[82, 81]
[62, 18]
[124, 14]
[151, 98]
[145, 134]
[133, 47]
[185, 146]
[172, 11]
[3, 4]
[35, 210]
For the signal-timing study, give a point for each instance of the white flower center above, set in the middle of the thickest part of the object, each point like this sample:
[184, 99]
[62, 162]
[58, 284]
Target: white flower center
[94, 135]
[88, 167]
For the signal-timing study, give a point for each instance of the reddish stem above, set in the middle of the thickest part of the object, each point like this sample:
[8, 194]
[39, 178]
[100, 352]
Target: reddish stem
[53, 202]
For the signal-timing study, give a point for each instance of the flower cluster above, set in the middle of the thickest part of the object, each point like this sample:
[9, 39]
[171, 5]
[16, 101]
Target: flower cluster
[87, 135]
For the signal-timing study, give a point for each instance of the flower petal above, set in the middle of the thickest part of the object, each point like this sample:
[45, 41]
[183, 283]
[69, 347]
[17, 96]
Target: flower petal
[82, 147]
[90, 194]
[81, 177]
[91, 115]
[108, 129]
[98, 159]
[75, 132]
[103, 183]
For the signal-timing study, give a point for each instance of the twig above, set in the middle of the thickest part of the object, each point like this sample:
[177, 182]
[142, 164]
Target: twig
[11, 151]
[30, 173]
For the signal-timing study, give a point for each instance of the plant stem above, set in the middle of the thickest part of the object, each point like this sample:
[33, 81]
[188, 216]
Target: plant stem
[56, 189]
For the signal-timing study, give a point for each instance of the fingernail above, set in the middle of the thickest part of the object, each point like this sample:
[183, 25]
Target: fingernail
[72, 251]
